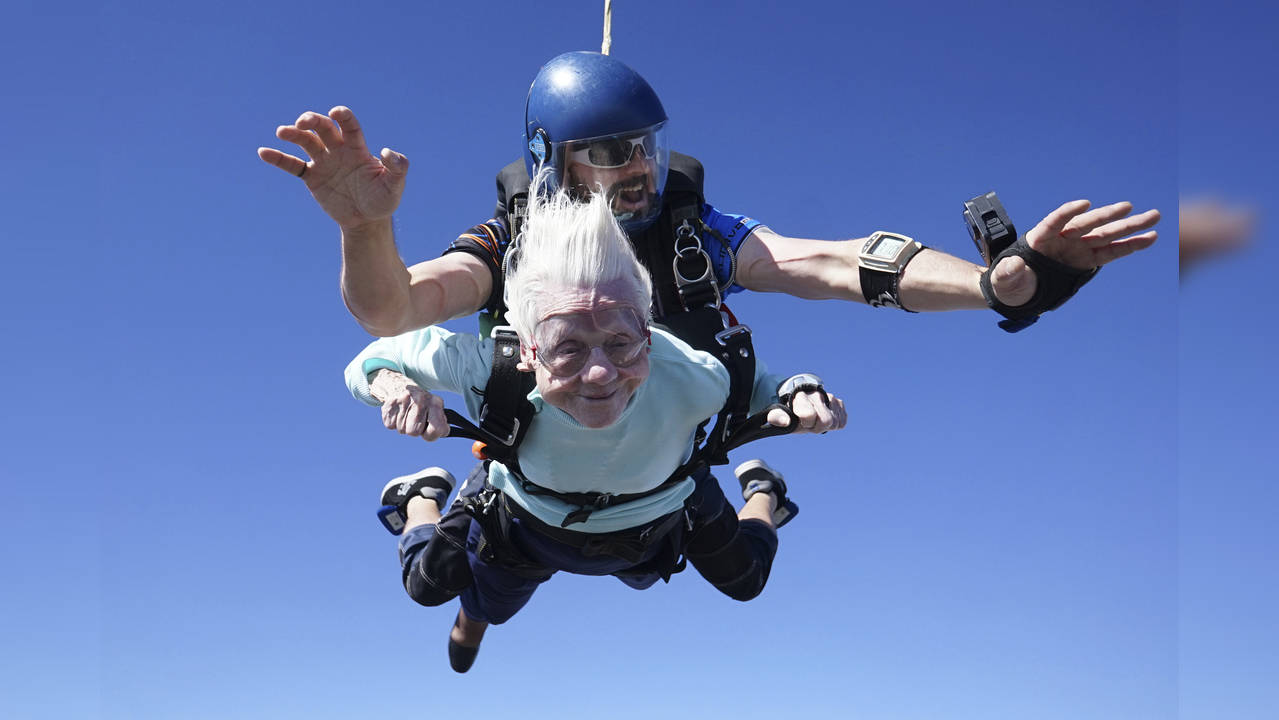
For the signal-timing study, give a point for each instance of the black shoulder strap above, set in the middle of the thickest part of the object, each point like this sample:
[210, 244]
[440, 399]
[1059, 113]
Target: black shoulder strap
[706, 329]
[655, 245]
[512, 196]
[687, 295]
[505, 412]
[506, 409]
[686, 175]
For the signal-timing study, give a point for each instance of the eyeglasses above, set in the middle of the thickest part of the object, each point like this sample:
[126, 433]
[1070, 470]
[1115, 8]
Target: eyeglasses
[567, 358]
[614, 152]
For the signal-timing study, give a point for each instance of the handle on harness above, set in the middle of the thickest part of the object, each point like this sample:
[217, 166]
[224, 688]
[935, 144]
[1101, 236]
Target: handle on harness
[755, 427]
[459, 426]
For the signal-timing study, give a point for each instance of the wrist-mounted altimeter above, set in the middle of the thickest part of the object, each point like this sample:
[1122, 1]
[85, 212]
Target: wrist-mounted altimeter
[880, 263]
[989, 225]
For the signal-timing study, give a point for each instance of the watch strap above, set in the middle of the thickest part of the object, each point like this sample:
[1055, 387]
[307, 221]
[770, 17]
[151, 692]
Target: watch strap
[880, 288]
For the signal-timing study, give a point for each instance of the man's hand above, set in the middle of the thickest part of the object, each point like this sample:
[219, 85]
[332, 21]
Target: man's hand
[354, 187]
[407, 407]
[815, 416]
[1079, 237]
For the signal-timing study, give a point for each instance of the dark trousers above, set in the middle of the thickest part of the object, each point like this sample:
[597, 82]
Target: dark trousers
[440, 562]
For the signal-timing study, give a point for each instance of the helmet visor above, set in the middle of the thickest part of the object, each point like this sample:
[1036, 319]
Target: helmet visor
[630, 168]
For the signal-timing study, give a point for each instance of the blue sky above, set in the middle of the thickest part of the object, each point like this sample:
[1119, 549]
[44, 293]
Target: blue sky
[1062, 523]
[1229, 630]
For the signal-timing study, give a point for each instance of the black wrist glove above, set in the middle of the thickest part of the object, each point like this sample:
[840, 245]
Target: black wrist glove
[1056, 283]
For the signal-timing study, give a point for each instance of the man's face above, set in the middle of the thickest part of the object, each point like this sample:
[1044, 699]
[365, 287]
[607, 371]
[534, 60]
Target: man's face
[631, 188]
[589, 354]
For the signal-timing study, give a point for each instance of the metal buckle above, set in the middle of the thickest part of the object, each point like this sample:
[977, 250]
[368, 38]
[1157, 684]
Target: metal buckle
[688, 244]
[682, 279]
[723, 336]
[509, 439]
[503, 330]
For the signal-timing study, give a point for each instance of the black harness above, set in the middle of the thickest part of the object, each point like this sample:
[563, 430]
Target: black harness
[687, 302]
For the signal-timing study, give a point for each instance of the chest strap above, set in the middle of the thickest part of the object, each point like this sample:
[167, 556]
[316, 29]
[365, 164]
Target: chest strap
[589, 502]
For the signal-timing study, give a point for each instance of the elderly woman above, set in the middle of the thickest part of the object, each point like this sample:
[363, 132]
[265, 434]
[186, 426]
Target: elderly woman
[617, 405]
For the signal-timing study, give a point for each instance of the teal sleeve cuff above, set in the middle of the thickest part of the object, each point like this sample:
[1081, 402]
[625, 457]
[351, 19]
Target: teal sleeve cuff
[372, 365]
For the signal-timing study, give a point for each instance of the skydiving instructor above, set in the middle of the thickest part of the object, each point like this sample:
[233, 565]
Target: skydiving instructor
[598, 125]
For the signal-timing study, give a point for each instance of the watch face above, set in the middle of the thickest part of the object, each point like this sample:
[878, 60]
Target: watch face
[887, 248]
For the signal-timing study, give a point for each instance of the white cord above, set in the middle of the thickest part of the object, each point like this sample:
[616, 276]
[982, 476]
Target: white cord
[608, 27]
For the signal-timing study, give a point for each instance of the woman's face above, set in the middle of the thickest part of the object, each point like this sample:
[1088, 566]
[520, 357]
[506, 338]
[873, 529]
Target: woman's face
[589, 354]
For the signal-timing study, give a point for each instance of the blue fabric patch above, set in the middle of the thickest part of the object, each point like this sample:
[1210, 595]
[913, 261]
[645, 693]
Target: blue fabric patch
[735, 229]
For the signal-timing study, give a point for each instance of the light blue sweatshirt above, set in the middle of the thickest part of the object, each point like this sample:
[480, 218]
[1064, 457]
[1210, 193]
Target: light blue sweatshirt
[635, 454]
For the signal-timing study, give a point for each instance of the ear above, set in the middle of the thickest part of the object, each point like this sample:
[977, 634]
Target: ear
[526, 358]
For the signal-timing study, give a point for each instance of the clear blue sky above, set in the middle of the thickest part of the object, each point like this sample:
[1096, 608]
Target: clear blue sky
[1005, 529]
[1229, 579]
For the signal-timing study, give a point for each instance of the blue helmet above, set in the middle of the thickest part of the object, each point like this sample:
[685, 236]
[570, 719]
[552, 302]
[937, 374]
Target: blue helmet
[597, 125]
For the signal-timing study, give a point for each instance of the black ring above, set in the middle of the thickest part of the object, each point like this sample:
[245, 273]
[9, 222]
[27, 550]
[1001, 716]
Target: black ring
[303, 170]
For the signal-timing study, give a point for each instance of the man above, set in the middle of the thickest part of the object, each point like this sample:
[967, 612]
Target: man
[598, 125]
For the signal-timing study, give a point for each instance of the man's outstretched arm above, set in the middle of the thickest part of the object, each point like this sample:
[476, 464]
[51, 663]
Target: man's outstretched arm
[361, 191]
[427, 293]
[932, 281]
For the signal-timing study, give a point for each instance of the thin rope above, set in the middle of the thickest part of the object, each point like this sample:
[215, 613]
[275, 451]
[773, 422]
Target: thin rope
[608, 27]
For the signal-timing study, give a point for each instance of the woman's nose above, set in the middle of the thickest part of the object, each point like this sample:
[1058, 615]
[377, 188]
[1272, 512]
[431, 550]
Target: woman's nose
[598, 368]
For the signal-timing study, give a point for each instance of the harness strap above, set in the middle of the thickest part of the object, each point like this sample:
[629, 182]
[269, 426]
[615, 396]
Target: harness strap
[694, 275]
[755, 427]
[517, 214]
[589, 502]
[495, 449]
[738, 356]
[506, 411]
[629, 544]
[490, 512]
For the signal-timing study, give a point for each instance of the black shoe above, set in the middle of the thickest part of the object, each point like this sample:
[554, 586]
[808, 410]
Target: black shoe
[433, 483]
[756, 476]
[461, 657]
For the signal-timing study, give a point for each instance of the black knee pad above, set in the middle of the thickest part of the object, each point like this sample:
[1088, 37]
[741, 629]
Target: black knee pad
[442, 570]
[712, 534]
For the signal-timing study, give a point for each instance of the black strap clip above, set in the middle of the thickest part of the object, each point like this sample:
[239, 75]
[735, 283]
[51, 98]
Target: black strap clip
[581, 514]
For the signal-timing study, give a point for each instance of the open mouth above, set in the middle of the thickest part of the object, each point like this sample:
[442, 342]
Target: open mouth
[630, 194]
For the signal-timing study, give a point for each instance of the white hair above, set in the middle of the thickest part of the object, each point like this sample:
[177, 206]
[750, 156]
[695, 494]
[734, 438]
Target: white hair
[567, 245]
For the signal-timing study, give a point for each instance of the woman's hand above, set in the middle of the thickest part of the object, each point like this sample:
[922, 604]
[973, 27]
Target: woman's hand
[815, 414]
[407, 407]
